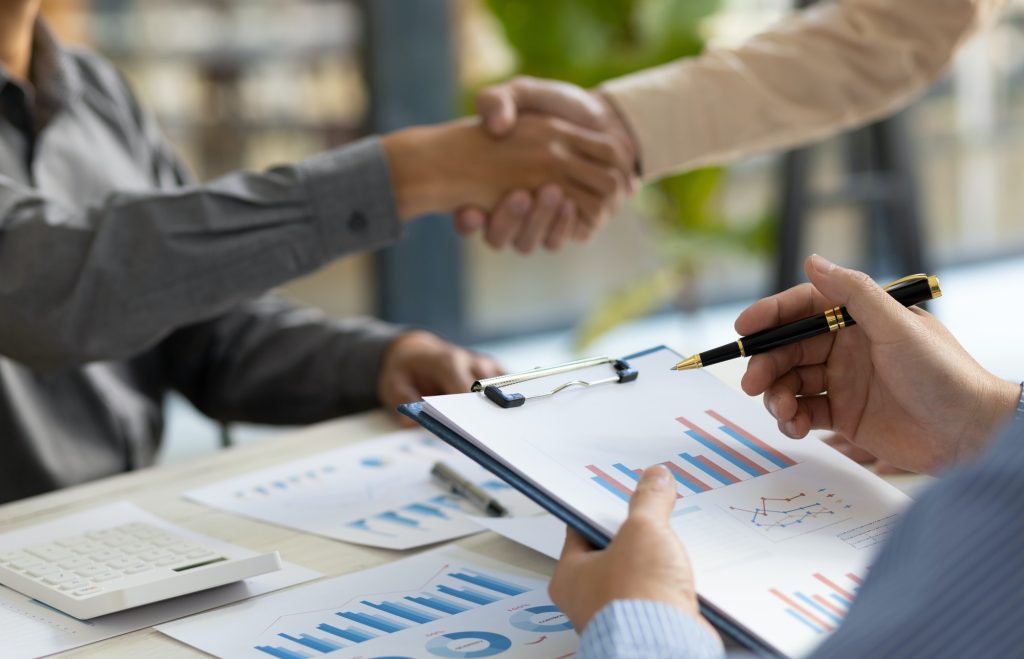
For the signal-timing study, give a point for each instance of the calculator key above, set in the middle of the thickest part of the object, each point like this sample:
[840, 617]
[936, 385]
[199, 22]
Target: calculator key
[122, 563]
[73, 562]
[72, 541]
[90, 570]
[117, 540]
[199, 553]
[24, 563]
[87, 547]
[163, 541]
[136, 569]
[99, 534]
[9, 556]
[154, 555]
[135, 547]
[105, 576]
[42, 570]
[58, 578]
[169, 560]
[72, 584]
[49, 552]
[105, 555]
[183, 547]
[87, 590]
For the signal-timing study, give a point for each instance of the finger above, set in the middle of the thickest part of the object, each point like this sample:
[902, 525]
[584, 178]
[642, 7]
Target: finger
[394, 393]
[885, 469]
[484, 367]
[655, 495]
[575, 545]
[882, 318]
[767, 367]
[497, 107]
[563, 226]
[850, 450]
[792, 304]
[812, 413]
[605, 181]
[469, 220]
[507, 218]
[536, 227]
[455, 376]
[604, 150]
[781, 398]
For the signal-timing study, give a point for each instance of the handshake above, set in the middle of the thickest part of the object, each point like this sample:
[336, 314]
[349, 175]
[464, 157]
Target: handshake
[546, 162]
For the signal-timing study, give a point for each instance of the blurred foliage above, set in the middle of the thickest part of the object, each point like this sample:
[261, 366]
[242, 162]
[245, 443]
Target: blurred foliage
[589, 41]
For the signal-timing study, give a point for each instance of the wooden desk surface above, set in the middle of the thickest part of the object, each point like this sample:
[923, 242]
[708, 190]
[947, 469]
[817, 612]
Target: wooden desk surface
[159, 490]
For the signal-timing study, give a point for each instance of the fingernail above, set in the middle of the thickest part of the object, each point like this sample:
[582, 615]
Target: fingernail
[520, 205]
[789, 427]
[821, 264]
[772, 404]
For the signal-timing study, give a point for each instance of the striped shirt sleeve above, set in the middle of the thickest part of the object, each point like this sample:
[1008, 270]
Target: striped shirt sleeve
[644, 629]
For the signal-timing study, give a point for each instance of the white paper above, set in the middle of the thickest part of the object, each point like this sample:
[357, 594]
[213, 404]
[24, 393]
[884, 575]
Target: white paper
[32, 629]
[329, 616]
[379, 493]
[542, 533]
[779, 535]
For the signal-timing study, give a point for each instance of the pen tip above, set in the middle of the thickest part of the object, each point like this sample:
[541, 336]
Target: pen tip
[688, 363]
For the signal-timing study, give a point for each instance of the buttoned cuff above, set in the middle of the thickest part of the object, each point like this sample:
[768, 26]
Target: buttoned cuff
[353, 199]
[644, 629]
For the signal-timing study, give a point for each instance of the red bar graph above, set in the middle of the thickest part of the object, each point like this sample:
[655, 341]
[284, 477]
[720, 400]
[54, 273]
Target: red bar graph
[782, 457]
[834, 586]
[722, 446]
[608, 480]
[715, 468]
[679, 471]
[793, 604]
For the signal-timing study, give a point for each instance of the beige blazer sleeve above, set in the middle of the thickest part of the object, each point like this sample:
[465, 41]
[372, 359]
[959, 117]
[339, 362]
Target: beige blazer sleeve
[824, 69]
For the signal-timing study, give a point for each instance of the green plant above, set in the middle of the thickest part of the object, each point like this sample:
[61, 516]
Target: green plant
[589, 41]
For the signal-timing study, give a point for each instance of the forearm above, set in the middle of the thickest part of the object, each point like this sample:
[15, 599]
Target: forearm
[79, 285]
[270, 362]
[825, 69]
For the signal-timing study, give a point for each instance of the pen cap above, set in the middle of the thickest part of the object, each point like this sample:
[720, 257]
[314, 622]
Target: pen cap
[914, 289]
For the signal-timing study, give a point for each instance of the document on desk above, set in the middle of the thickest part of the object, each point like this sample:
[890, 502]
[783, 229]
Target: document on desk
[448, 602]
[780, 531]
[29, 628]
[378, 492]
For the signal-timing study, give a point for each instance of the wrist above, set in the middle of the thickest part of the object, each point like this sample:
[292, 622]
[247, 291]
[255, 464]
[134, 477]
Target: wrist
[620, 127]
[412, 160]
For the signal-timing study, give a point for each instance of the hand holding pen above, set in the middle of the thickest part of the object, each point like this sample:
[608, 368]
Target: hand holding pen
[896, 384]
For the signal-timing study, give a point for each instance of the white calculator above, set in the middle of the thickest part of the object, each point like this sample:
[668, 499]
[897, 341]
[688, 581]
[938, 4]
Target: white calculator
[121, 567]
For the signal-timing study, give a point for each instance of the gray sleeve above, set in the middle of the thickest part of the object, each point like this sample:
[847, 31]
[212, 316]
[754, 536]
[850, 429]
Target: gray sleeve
[269, 362]
[80, 284]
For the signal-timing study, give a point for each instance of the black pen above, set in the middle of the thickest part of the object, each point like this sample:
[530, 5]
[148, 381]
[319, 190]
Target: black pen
[459, 484]
[908, 291]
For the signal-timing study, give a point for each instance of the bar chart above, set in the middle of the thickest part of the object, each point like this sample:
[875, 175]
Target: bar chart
[453, 592]
[823, 609]
[734, 455]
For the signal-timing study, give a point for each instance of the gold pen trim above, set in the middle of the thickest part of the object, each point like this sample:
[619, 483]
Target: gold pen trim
[933, 284]
[835, 320]
[689, 363]
[739, 342]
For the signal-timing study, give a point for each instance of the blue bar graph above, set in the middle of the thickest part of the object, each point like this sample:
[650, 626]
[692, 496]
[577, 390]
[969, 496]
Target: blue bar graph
[425, 510]
[282, 653]
[349, 634]
[403, 611]
[392, 516]
[818, 607]
[807, 622]
[468, 594]
[725, 454]
[313, 642]
[439, 603]
[842, 600]
[446, 501]
[376, 622]
[755, 448]
[626, 470]
[710, 472]
[491, 583]
[611, 488]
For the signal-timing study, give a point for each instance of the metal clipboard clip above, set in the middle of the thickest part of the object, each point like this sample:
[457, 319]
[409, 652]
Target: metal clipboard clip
[491, 387]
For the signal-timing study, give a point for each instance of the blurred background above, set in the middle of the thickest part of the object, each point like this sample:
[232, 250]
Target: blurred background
[251, 83]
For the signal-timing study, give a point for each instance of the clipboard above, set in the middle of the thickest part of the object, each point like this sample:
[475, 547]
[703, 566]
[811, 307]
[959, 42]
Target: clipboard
[593, 535]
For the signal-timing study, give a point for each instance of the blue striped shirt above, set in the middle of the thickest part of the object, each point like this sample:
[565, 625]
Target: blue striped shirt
[949, 583]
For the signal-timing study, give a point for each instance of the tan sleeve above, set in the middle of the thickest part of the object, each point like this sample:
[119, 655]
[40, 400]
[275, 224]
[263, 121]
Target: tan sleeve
[822, 70]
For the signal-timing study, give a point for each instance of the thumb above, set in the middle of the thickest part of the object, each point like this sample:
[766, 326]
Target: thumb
[880, 316]
[497, 108]
[655, 495]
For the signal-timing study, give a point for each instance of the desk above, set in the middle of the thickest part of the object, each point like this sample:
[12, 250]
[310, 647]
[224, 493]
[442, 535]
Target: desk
[159, 491]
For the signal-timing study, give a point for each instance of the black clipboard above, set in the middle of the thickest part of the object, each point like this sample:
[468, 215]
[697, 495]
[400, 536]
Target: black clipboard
[594, 536]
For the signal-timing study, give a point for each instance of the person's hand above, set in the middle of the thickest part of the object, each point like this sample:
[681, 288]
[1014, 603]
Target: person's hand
[437, 168]
[522, 220]
[644, 561]
[861, 456]
[421, 364]
[897, 384]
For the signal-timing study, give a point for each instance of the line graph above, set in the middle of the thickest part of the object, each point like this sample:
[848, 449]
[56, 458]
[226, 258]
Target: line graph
[801, 512]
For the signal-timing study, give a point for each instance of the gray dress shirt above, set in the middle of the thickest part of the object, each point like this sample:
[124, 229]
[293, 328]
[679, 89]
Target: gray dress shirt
[120, 279]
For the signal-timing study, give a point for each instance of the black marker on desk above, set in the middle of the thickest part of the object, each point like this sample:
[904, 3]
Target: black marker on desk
[462, 486]
[908, 291]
